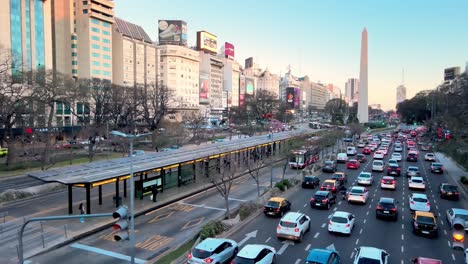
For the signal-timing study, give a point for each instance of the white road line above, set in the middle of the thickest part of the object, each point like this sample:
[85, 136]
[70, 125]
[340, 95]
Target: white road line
[402, 209]
[402, 262]
[439, 214]
[360, 231]
[105, 252]
[352, 255]
[268, 239]
[297, 261]
[402, 226]
[441, 222]
[402, 237]
[370, 205]
[239, 200]
[308, 246]
[357, 241]
[453, 257]
[448, 242]
[445, 232]
[316, 235]
[305, 205]
[339, 203]
[334, 209]
[402, 249]
[323, 225]
[365, 220]
[367, 213]
[402, 217]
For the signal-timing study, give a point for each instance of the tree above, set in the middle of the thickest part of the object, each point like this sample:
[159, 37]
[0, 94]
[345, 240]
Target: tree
[196, 122]
[255, 164]
[223, 178]
[336, 109]
[283, 114]
[261, 104]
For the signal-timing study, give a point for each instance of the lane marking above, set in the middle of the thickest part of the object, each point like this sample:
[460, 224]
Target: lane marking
[239, 200]
[297, 261]
[316, 235]
[352, 255]
[445, 232]
[453, 257]
[402, 237]
[334, 209]
[161, 217]
[154, 242]
[402, 249]
[360, 231]
[437, 207]
[193, 223]
[357, 241]
[323, 225]
[448, 242]
[305, 205]
[365, 220]
[367, 213]
[268, 239]
[402, 226]
[339, 203]
[308, 246]
[107, 253]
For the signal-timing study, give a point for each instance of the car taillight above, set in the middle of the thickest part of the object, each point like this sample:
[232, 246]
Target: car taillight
[322, 188]
[412, 202]
[277, 209]
[382, 181]
[189, 256]
[398, 169]
[347, 225]
[325, 201]
[415, 224]
[428, 204]
[278, 227]
[296, 229]
[393, 182]
[208, 260]
[379, 207]
[312, 199]
[457, 193]
[393, 209]
[334, 189]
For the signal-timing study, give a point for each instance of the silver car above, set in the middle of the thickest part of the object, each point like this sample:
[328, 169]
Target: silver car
[412, 171]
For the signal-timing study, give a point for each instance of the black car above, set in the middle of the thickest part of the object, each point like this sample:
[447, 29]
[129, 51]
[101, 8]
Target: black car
[424, 223]
[437, 167]
[386, 208]
[310, 182]
[393, 169]
[361, 158]
[449, 191]
[329, 166]
[323, 199]
[277, 206]
[412, 157]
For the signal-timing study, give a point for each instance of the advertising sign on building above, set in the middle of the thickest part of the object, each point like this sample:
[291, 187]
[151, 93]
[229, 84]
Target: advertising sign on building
[290, 97]
[172, 32]
[249, 63]
[241, 90]
[249, 86]
[207, 41]
[204, 88]
[228, 50]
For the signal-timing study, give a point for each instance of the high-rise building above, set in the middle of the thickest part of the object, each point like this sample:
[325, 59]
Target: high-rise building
[268, 81]
[401, 94]
[133, 55]
[26, 33]
[352, 90]
[363, 110]
[231, 81]
[211, 68]
[318, 95]
[82, 36]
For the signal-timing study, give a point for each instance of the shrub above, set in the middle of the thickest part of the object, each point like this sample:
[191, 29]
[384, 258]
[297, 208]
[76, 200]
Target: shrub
[211, 229]
[280, 186]
[287, 183]
[464, 180]
[247, 209]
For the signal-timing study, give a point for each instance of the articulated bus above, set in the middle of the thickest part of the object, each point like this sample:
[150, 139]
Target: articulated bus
[302, 158]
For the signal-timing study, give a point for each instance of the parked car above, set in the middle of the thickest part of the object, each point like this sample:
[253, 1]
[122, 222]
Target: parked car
[293, 226]
[310, 181]
[323, 256]
[425, 223]
[341, 222]
[449, 191]
[371, 255]
[422, 260]
[329, 166]
[255, 254]
[323, 199]
[277, 206]
[386, 208]
[213, 250]
[437, 167]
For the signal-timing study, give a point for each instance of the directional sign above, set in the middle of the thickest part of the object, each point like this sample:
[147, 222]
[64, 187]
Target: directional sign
[247, 237]
[283, 248]
[331, 247]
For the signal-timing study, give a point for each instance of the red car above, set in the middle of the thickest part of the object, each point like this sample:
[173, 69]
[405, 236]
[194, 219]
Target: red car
[366, 151]
[352, 164]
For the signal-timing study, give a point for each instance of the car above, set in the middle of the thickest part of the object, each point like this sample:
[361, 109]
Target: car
[3, 152]
[276, 206]
[426, 148]
[357, 194]
[412, 171]
[351, 151]
[398, 148]
[366, 151]
[255, 254]
[365, 178]
[410, 145]
[423, 260]
[396, 156]
[213, 250]
[393, 169]
[293, 226]
[322, 256]
[430, 157]
[416, 183]
[352, 164]
[330, 185]
[419, 202]
[310, 181]
[437, 167]
[323, 199]
[341, 158]
[466, 255]
[412, 157]
[383, 149]
[371, 255]
[379, 154]
[361, 158]
[361, 145]
[386, 208]
[341, 177]
[454, 213]
[329, 166]
[378, 165]
[372, 146]
[388, 182]
[341, 222]
[425, 223]
[449, 191]
[392, 161]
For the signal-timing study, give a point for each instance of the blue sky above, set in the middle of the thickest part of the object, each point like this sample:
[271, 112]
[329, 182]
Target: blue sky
[321, 39]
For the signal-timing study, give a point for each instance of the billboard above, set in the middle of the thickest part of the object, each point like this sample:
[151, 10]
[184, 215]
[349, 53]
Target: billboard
[249, 62]
[241, 90]
[451, 73]
[290, 97]
[207, 41]
[249, 86]
[172, 32]
[297, 97]
[204, 88]
[228, 50]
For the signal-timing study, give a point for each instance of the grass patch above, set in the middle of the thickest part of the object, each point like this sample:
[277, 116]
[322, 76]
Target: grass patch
[176, 253]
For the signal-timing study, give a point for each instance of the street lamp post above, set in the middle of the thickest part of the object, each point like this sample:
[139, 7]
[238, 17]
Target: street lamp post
[131, 138]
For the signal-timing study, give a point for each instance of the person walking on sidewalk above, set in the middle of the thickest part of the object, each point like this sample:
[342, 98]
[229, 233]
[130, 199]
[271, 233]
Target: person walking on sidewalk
[82, 212]
[154, 191]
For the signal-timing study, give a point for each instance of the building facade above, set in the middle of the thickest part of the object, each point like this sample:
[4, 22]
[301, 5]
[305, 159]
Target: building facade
[270, 82]
[134, 55]
[231, 77]
[318, 95]
[352, 91]
[211, 68]
[400, 94]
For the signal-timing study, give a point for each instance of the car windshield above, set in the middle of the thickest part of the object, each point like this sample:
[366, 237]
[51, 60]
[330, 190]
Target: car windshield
[462, 216]
[358, 191]
[378, 163]
[387, 205]
[287, 224]
[272, 204]
[201, 254]
[337, 176]
[339, 219]
[413, 169]
[364, 176]
[241, 260]
[308, 178]
[420, 200]
[328, 163]
[320, 197]
[450, 188]
[368, 261]
[437, 165]
[425, 220]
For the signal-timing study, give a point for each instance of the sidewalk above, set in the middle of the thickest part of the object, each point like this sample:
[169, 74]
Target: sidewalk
[454, 170]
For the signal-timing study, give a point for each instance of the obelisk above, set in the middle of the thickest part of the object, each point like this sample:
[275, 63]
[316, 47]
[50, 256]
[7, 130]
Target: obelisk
[363, 111]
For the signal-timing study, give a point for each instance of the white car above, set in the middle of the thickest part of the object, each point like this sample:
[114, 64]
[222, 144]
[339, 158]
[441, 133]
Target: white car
[378, 165]
[371, 255]
[258, 254]
[361, 145]
[430, 157]
[379, 154]
[383, 150]
[341, 222]
[417, 183]
[419, 202]
[293, 226]
[365, 178]
[398, 148]
[358, 194]
[388, 182]
[341, 158]
[396, 156]
[457, 213]
[351, 151]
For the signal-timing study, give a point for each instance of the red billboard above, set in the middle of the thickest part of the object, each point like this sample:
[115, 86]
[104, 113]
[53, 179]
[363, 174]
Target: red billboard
[228, 50]
[204, 88]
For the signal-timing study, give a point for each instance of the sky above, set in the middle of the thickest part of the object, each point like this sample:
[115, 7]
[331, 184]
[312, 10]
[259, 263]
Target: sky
[322, 39]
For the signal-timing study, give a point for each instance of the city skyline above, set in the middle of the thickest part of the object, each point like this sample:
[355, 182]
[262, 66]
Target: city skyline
[400, 38]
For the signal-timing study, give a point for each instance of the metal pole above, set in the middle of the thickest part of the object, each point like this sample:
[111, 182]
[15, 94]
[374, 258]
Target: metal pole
[132, 209]
[271, 169]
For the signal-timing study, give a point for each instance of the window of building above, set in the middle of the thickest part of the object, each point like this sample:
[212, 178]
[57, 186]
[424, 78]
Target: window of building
[96, 63]
[106, 49]
[74, 71]
[95, 55]
[96, 71]
[106, 40]
[74, 54]
[74, 62]
[74, 37]
[84, 3]
[74, 46]
[59, 108]
[95, 46]
[105, 24]
[107, 57]
[94, 21]
[107, 65]
[106, 73]
[85, 11]
[95, 29]
[95, 38]
[105, 32]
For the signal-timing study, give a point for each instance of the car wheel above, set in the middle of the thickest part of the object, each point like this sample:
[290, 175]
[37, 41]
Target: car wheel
[234, 254]
[300, 238]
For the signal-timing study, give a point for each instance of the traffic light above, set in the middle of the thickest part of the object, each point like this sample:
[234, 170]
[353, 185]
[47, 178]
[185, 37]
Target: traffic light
[121, 224]
[458, 234]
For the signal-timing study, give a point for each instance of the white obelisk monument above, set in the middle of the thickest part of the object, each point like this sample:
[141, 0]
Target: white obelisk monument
[363, 111]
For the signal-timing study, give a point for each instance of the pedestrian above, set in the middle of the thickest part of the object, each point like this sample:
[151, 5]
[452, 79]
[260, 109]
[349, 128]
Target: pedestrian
[82, 212]
[154, 192]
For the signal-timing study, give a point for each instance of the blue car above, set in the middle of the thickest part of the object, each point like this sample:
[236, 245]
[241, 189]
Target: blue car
[323, 256]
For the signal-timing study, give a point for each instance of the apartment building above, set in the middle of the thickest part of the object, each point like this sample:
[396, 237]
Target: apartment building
[211, 69]
[269, 81]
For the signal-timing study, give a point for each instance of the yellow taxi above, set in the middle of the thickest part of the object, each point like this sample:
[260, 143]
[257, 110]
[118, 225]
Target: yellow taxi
[276, 206]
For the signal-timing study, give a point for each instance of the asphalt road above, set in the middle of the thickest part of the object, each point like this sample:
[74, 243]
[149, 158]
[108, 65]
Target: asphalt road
[18, 182]
[395, 237]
